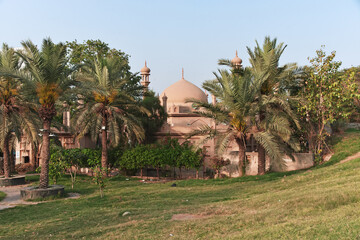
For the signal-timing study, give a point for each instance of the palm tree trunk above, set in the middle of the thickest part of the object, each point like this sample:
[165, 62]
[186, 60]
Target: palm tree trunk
[242, 156]
[32, 156]
[261, 160]
[104, 155]
[7, 167]
[45, 155]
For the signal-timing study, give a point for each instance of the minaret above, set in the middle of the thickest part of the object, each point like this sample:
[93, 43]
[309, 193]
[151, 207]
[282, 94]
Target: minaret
[145, 73]
[164, 101]
[236, 61]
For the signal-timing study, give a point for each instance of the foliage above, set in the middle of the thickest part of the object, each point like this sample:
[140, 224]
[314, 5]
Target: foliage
[17, 115]
[327, 97]
[47, 83]
[99, 179]
[154, 119]
[169, 153]
[218, 162]
[2, 196]
[86, 52]
[106, 105]
[23, 167]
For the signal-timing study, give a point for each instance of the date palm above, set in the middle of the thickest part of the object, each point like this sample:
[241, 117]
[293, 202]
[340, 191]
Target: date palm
[17, 117]
[107, 105]
[47, 82]
[274, 116]
[235, 94]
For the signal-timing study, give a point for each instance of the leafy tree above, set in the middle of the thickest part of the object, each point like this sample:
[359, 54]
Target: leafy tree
[73, 159]
[83, 53]
[106, 105]
[47, 84]
[17, 117]
[155, 117]
[327, 96]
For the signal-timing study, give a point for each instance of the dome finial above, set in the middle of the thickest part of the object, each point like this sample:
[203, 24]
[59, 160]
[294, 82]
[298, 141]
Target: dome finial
[145, 70]
[146, 66]
[236, 61]
[235, 54]
[182, 73]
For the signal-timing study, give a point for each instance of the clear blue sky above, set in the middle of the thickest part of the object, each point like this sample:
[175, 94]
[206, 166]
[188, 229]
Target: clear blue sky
[192, 34]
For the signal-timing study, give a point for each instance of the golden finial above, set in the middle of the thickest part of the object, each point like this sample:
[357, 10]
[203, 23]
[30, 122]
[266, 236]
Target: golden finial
[182, 73]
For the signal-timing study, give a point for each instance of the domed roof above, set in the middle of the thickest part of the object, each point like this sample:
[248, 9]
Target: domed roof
[236, 61]
[178, 92]
[145, 70]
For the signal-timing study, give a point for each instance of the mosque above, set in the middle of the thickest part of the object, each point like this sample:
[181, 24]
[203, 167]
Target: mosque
[181, 120]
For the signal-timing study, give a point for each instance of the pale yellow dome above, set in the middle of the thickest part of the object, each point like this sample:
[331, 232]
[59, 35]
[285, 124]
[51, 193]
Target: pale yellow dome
[182, 90]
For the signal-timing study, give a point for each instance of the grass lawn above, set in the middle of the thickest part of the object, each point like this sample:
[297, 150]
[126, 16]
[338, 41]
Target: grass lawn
[2, 196]
[321, 203]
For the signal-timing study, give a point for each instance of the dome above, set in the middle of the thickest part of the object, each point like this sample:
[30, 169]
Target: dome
[145, 70]
[236, 61]
[182, 90]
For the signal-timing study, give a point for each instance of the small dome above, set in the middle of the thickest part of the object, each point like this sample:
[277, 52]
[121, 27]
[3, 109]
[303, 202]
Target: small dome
[182, 90]
[145, 70]
[236, 61]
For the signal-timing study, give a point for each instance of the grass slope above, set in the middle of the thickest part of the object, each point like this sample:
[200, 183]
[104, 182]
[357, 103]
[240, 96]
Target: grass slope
[322, 203]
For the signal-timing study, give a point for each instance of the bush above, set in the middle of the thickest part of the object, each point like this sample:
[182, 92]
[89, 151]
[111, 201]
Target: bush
[23, 167]
[169, 153]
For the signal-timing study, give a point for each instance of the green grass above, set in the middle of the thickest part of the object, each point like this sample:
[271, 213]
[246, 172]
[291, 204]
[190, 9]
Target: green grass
[321, 203]
[2, 195]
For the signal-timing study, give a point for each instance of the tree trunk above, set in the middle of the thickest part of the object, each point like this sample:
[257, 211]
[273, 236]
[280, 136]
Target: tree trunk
[32, 157]
[157, 173]
[104, 154]
[7, 167]
[45, 155]
[261, 160]
[12, 160]
[242, 156]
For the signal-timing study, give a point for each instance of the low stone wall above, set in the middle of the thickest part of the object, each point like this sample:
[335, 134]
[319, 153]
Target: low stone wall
[302, 161]
[12, 181]
[34, 193]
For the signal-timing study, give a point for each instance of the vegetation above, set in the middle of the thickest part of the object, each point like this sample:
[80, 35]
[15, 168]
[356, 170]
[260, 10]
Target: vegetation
[48, 81]
[321, 203]
[107, 105]
[17, 117]
[2, 195]
[169, 153]
[327, 96]
[252, 101]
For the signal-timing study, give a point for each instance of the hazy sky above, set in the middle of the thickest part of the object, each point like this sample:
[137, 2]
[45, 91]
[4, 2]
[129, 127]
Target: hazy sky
[192, 34]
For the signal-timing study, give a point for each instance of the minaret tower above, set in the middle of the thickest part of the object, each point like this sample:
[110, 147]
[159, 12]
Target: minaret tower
[145, 73]
[236, 61]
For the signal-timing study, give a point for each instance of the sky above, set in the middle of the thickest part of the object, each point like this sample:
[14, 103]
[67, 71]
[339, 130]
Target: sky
[190, 34]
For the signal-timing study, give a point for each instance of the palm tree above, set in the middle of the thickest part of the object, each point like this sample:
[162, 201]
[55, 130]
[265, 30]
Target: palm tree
[235, 94]
[17, 117]
[275, 118]
[47, 82]
[107, 105]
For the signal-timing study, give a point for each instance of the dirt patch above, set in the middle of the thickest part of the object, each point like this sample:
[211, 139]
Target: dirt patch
[184, 217]
[352, 157]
